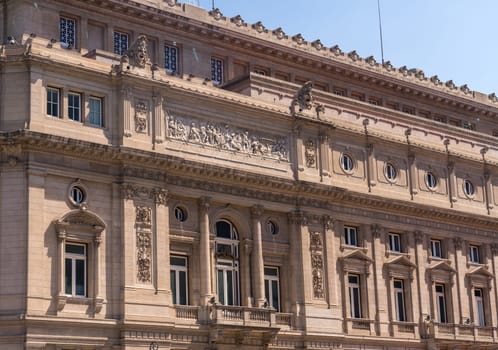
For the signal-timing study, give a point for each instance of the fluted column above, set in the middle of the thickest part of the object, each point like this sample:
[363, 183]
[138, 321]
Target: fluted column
[158, 119]
[205, 259]
[126, 105]
[257, 257]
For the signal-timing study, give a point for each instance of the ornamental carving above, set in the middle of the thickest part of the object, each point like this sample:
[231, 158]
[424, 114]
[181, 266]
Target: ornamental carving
[227, 138]
[144, 262]
[137, 55]
[159, 195]
[141, 111]
[143, 216]
[316, 247]
[310, 154]
[304, 98]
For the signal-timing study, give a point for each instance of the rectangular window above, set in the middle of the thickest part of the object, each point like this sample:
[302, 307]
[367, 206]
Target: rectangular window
[171, 58]
[228, 282]
[474, 254]
[480, 319]
[179, 280]
[272, 287]
[74, 106]
[53, 102]
[436, 251]
[95, 116]
[441, 303]
[216, 70]
[394, 243]
[399, 300]
[67, 28]
[339, 92]
[350, 236]
[354, 296]
[75, 269]
[120, 43]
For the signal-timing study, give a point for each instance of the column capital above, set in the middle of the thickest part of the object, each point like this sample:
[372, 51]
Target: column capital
[204, 203]
[419, 236]
[257, 210]
[376, 230]
[328, 222]
[458, 242]
[297, 217]
[161, 196]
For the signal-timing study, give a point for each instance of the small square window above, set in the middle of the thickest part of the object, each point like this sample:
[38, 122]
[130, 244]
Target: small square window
[53, 102]
[120, 43]
[436, 251]
[216, 70]
[171, 58]
[339, 92]
[95, 116]
[350, 236]
[67, 27]
[74, 106]
[474, 254]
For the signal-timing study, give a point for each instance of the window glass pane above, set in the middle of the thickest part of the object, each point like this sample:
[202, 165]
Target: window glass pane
[274, 300]
[74, 107]
[356, 303]
[80, 277]
[75, 249]
[270, 271]
[69, 276]
[221, 287]
[400, 306]
[177, 261]
[267, 290]
[170, 58]
[172, 277]
[95, 115]
[183, 287]
[230, 288]
[223, 229]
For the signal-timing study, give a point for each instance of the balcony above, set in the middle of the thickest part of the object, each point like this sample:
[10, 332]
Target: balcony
[233, 315]
[404, 329]
[464, 332]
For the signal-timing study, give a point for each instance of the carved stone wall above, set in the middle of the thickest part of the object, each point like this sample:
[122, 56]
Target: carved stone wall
[226, 137]
[143, 222]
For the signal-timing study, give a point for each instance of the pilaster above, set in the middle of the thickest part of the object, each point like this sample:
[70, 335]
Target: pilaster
[257, 257]
[205, 255]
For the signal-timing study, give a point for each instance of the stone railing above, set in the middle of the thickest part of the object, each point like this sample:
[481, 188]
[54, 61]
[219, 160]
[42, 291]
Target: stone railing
[484, 331]
[359, 325]
[284, 319]
[404, 327]
[187, 312]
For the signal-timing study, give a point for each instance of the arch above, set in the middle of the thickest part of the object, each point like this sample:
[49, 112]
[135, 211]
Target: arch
[235, 217]
[80, 217]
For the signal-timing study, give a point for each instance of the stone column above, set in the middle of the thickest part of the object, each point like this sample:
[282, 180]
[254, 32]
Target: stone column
[371, 166]
[493, 292]
[461, 303]
[161, 248]
[126, 105]
[452, 183]
[296, 279]
[455, 293]
[205, 258]
[331, 249]
[380, 290]
[423, 285]
[257, 257]
[412, 173]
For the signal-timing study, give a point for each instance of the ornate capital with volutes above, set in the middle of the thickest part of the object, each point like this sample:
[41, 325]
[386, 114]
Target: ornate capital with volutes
[161, 196]
[297, 217]
[376, 230]
[458, 242]
[204, 203]
[419, 237]
[328, 222]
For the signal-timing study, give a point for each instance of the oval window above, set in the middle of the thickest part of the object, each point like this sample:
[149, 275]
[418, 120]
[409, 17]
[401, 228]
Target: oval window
[468, 188]
[346, 162]
[180, 214]
[431, 180]
[271, 227]
[391, 172]
[77, 195]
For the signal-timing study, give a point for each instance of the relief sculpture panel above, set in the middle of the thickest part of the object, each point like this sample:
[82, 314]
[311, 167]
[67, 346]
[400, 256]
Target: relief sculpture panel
[227, 138]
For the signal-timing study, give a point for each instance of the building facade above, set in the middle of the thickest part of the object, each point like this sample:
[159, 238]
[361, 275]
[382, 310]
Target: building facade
[171, 178]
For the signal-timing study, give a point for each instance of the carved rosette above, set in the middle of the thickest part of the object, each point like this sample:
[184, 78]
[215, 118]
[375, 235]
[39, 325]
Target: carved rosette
[310, 153]
[316, 247]
[141, 112]
[144, 244]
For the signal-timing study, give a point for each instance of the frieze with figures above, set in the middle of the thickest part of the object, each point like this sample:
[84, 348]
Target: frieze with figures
[225, 137]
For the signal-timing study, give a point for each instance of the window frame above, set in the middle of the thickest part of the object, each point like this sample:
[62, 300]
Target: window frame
[101, 111]
[400, 310]
[217, 77]
[431, 180]
[355, 297]
[390, 172]
[177, 270]
[469, 188]
[64, 40]
[391, 238]
[166, 62]
[268, 279]
[346, 159]
[433, 243]
[441, 303]
[480, 307]
[74, 258]
[227, 265]
[69, 105]
[348, 233]
[121, 51]
[474, 258]
[58, 104]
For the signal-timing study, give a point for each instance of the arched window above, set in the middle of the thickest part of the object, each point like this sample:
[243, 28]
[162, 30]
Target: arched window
[227, 263]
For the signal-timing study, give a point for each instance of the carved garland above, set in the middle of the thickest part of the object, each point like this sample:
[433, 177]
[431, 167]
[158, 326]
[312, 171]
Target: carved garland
[141, 111]
[227, 138]
[316, 247]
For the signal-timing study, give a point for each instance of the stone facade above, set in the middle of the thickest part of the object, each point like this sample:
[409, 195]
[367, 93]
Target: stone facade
[174, 179]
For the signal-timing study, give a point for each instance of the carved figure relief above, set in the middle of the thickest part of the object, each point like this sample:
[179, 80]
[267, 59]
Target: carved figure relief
[310, 154]
[141, 112]
[304, 98]
[225, 137]
[316, 247]
[137, 55]
[144, 244]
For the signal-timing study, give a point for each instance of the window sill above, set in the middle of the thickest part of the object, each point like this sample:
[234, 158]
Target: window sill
[353, 247]
[63, 299]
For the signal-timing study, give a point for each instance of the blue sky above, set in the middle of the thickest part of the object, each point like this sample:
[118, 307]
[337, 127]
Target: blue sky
[455, 39]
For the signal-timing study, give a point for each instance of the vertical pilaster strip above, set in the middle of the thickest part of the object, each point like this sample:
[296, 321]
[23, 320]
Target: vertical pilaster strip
[371, 166]
[381, 316]
[296, 220]
[459, 258]
[324, 157]
[423, 294]
[158, 127]
[205, 258]
[162, 243]
[257, 257]
[456, 294]
[493, 292]
[126, 105]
